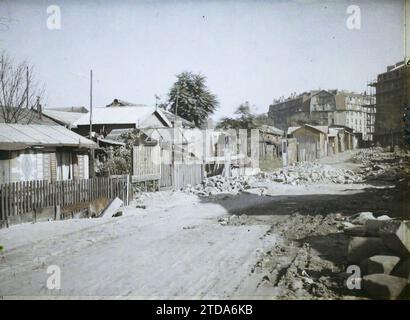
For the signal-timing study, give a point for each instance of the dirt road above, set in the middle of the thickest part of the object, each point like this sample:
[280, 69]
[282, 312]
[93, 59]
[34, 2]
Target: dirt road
[287, 244]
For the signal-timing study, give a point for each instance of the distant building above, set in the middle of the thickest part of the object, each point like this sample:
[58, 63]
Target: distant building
[64, 118]
[323, 108]
[392, 95]
[314, 142]
[120, 115]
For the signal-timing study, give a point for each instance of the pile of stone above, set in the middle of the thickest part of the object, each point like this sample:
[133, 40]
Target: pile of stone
[312, 172]
[374, 163]
[233, 220]
[219, 184]
[381, 248]
[368, 156]
[301, 173]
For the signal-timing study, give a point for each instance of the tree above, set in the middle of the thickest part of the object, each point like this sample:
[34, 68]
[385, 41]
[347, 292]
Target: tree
[191, 98]
[19, 90]
[119, 160]
[245, 119]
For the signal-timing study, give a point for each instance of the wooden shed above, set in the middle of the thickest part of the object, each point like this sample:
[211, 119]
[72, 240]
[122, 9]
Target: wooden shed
[42, 152]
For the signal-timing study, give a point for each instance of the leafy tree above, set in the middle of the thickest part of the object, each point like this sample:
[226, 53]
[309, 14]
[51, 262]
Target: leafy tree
[118, 160]
[244, 119]
[264, 119]
[191, 98]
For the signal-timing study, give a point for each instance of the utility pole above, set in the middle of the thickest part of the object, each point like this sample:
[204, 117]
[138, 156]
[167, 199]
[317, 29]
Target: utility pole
[91, 103]
[176, 105]
[27, 87]
[91, 123]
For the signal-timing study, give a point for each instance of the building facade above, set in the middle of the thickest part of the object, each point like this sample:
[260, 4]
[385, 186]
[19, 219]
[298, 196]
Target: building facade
[39, 152]
[392, 87]
[323, 108]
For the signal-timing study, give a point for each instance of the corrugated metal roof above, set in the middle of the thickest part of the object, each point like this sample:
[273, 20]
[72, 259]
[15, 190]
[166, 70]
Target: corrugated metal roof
[117, 115]
[24, 116]
[65, 117]
[21, 136]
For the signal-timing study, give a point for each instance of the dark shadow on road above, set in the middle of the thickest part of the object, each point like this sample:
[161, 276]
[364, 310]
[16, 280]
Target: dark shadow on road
[390, 201]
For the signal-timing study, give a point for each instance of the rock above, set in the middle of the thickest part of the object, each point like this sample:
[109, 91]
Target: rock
[234, 219]
[383, 218]
[117, 214]
[396, 236]
[378, 264]
[243, 218]
[355, 231]
[346, 224]
[373, 226]
[402, 269]
[383, 286]
[339, 217]
[361, 248]
[362, 217]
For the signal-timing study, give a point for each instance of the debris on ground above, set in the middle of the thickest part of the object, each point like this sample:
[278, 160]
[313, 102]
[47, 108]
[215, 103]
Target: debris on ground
[233, 220]
[112, 208]
[219, 184]
[311, 172]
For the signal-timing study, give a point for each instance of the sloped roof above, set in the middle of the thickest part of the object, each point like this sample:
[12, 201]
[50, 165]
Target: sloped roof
[292, 129]
[22, 136]
[171, 117]
[271, 129]
[25, 116]
[65, 117]
[122, 103]
[79, 109]
[117, 115]
[322, 129]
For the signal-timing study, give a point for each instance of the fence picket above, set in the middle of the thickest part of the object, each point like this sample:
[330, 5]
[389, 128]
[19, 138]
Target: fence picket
[26, 196]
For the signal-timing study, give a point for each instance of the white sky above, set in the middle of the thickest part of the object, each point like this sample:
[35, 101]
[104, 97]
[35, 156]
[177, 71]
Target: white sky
[249, 50]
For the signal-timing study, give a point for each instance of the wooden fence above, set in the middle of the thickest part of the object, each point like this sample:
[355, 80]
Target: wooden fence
[17, 198]
[146, 163]
[148, 166]
[166, 176]
[187, 174]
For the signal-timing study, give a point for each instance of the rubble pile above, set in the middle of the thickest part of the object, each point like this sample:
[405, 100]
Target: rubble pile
[219, 184]
[376, 164]
[311, 172]
[368, 156]
[381, 248]
[301, 173]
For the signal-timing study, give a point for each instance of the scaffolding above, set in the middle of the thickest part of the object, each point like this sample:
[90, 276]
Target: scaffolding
[371, 109]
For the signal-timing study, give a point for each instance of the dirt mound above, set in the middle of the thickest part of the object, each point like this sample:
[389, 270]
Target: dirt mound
[309, 261]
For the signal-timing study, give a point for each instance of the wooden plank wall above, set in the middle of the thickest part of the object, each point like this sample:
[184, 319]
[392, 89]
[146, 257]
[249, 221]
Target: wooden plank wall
[148, 165]
[166, 176]
[187, 174]
[26, 196]
[146, 162]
